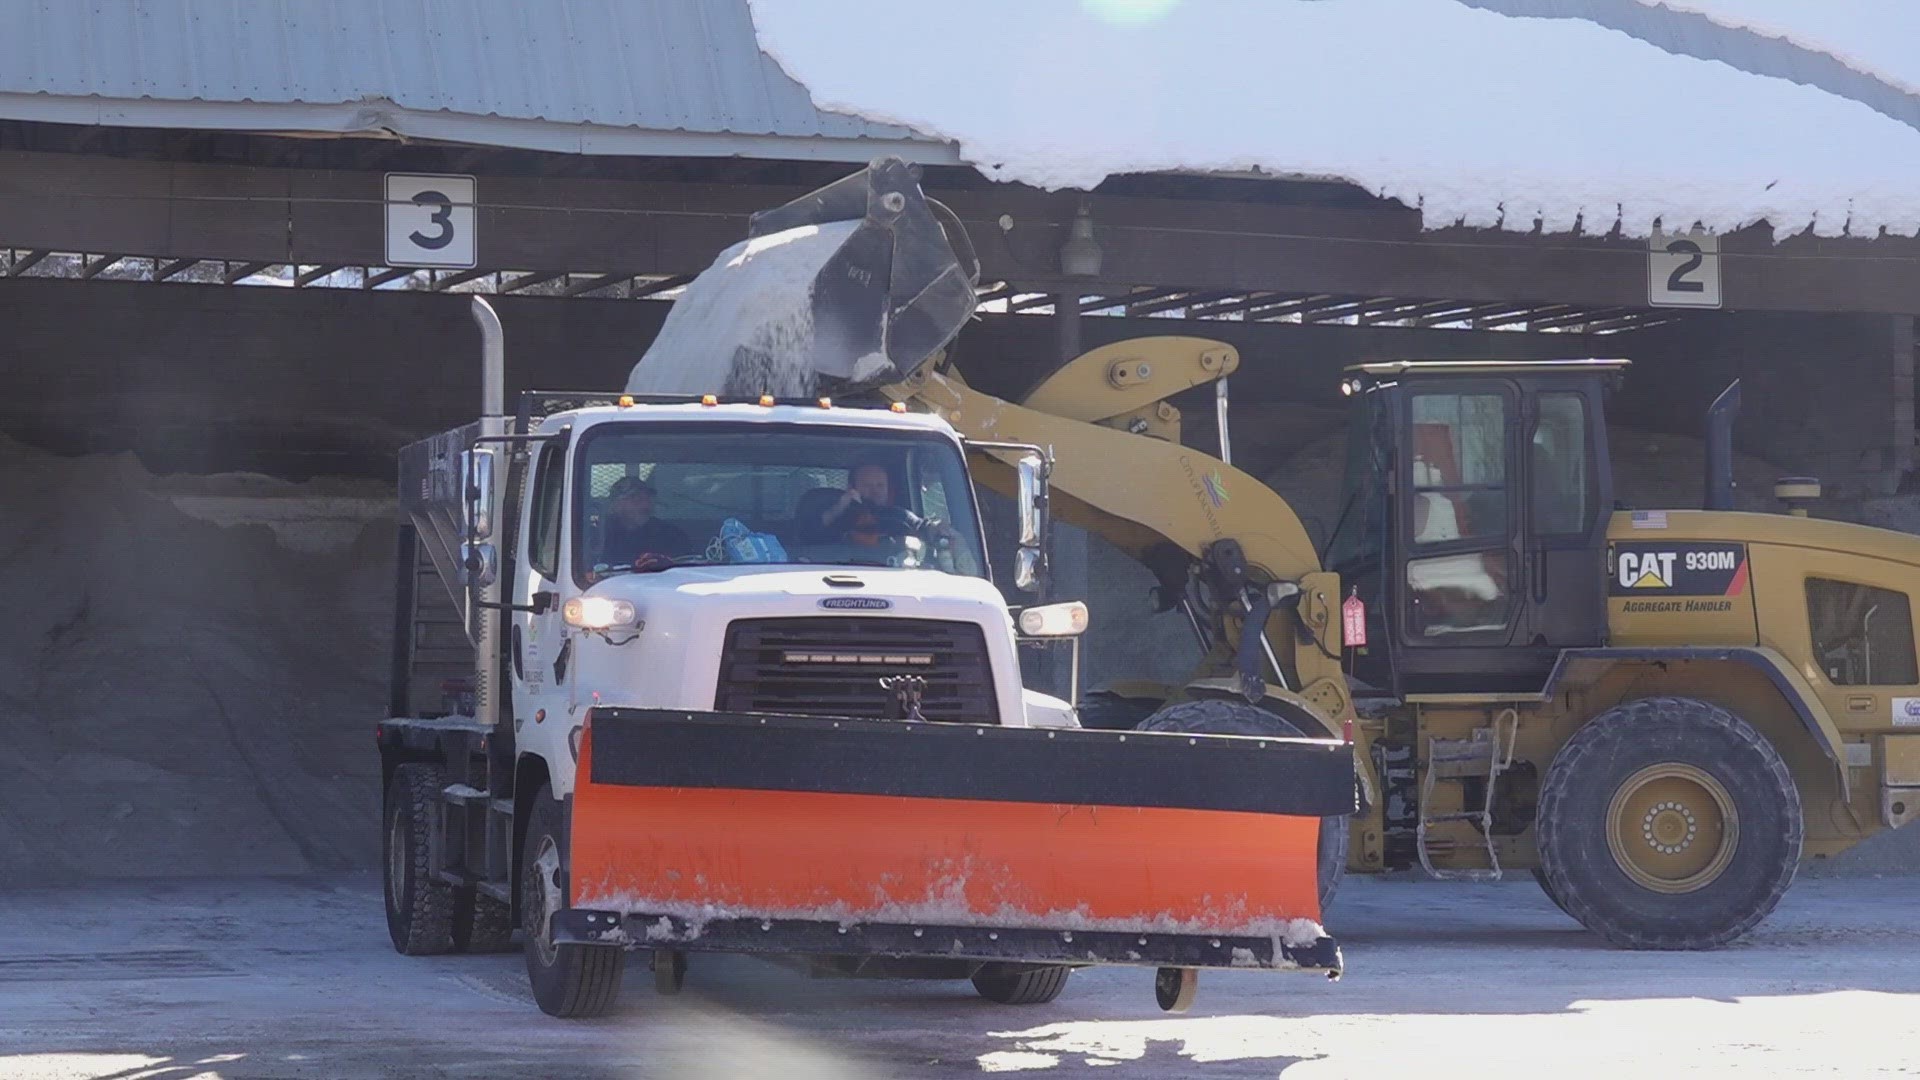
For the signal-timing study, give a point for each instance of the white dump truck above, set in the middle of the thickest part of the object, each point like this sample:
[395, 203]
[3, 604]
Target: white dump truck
[735, 678]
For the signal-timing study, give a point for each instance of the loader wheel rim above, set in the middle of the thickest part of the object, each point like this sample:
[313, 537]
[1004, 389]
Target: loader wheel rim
[1672, 828]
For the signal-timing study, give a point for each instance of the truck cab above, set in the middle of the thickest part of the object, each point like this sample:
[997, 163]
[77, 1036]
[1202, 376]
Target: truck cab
[723, 557]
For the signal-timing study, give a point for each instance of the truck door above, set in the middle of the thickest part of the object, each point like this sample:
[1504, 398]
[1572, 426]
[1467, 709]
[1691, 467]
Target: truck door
[537, 650]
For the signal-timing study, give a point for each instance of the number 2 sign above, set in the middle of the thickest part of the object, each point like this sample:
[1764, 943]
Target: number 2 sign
[430, 220]
[1683, 270]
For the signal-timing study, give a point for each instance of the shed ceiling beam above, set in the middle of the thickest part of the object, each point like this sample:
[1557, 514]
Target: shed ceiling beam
[307, 277]
[240, 272]
[95, 267]
[375, 280]
[1025, 301]
[593, 284]
[1465, 313]
[1286, 307]
[23, 263]
[1574, 318]
[1227, 306]
[1171, 303]
[654, 288]
[1409, 310]
[163, 271]
[461, 278]
[527, 281]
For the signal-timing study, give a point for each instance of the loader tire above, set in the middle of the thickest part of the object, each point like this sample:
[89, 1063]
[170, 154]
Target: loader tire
[1540, 878]
[568, 981]
[481, 924]
[1105, 710]
[1020, 984]
[1210, 716]
[419, 908]
[1668, 823]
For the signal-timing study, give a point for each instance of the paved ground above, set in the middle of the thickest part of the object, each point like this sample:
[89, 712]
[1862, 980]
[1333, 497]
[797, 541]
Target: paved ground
[294, 978]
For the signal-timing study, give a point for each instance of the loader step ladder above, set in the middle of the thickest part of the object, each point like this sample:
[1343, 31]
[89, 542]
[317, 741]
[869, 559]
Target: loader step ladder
[1484, 755]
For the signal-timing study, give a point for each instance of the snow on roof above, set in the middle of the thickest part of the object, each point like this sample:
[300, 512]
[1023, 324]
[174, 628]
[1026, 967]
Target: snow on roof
[1470, 112]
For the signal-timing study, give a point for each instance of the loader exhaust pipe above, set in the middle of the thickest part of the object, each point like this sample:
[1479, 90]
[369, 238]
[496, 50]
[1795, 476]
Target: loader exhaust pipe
[1720, 417]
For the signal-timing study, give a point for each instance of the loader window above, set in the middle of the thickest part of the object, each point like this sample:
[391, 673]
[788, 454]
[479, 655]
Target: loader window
[1459, 446]
[1862, 636]
[1562, 503]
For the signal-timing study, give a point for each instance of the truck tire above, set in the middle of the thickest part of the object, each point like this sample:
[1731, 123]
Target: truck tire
[481, 924]
[568, 981]
[1020, 984]
[1668, 823]
[1211, 716]
[419, 908]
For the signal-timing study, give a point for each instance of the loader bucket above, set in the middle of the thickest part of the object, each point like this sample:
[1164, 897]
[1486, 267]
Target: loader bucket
[776, 834]
[855, 285]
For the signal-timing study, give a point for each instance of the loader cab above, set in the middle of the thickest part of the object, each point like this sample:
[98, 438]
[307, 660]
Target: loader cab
[1474, 519]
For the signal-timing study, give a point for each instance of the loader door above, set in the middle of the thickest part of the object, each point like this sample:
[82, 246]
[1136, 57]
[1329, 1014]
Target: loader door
[1568, 500]
[1500, 503]
[1458, 525]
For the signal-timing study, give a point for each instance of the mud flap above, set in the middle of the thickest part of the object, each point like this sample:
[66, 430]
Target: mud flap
[846, 837]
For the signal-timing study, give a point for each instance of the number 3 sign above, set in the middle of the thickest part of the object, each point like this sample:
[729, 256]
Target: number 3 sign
[430, 220]
[1683, 271]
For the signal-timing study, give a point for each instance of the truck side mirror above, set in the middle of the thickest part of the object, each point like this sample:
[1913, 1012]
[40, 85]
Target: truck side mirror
[476, 503]
[1030, 561]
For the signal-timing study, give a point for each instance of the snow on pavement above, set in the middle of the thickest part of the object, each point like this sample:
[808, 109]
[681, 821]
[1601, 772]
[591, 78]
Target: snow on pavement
[1471, 115]
[294, 978]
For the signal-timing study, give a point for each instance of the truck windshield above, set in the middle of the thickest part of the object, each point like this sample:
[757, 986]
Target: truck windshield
[649, 496]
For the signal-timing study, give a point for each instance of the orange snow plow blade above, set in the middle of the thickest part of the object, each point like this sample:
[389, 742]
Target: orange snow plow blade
[808, 835]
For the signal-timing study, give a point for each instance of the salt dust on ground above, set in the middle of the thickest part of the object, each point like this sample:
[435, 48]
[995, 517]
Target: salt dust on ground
[294, 977]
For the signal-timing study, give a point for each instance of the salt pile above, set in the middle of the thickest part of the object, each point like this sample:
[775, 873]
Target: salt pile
[744, 327]
[186, 697]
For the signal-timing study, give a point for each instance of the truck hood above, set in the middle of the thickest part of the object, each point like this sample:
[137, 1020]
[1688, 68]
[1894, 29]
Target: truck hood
[812, 589]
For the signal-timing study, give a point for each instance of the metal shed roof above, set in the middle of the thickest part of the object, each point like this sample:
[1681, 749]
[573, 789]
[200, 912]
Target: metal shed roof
[655, 77]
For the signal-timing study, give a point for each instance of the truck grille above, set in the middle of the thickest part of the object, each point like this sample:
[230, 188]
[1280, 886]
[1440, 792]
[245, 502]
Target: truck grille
[833, 666]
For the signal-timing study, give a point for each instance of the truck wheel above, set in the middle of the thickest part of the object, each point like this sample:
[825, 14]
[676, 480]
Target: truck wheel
[1020, 984]
[568, 981]
[481, 924]
[419, 908]
[1209, 716]
[1668, 823]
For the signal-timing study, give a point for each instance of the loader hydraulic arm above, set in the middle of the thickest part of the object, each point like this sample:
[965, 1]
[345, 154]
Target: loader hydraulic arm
[1122, 474]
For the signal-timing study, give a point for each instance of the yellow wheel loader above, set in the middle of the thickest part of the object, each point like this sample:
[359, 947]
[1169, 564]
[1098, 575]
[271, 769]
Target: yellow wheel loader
[1656, 712]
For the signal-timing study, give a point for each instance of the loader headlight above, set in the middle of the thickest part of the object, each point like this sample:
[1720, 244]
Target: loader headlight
[597, 613]
[1054, 620]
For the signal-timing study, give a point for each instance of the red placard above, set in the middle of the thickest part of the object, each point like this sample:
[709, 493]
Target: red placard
[1353, 622]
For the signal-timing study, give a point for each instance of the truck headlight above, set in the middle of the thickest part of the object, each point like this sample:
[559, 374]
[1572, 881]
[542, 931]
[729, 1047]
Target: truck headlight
[1054, 620]
[597, 613]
